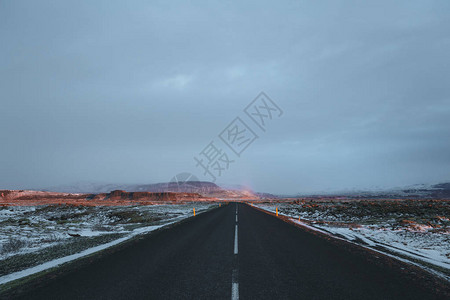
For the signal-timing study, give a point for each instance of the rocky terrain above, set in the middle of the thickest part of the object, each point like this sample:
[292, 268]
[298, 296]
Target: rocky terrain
[117, 197]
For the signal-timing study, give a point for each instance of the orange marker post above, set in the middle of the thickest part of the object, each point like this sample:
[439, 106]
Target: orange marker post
[194, 212]
[277, 210]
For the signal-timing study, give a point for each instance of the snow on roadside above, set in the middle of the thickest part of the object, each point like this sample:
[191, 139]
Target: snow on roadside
[428, 247]
[62, 260]
[38, 226]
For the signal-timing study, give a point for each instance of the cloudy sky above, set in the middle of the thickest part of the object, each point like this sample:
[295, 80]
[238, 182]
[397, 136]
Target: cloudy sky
[130, 92]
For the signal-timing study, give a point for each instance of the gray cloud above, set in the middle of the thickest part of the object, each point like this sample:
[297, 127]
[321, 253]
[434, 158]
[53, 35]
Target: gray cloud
[128, 93]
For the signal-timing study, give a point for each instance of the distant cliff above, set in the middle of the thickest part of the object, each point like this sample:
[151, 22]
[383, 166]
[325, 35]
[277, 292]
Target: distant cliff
[117, 197]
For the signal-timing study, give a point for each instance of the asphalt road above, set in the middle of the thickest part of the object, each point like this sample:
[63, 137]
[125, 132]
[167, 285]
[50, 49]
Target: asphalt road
[234, 252]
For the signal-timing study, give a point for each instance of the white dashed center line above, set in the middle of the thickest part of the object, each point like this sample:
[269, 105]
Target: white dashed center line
[235, 291]
[236, 240]
[235, 277]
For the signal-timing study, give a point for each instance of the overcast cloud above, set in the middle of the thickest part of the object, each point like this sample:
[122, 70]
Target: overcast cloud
[129, 92]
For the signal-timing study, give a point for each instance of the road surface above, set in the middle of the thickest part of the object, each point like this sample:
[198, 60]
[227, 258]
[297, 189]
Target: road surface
[234, 252]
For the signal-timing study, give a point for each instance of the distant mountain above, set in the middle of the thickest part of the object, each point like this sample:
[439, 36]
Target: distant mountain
[267, 196]
[427, 191]
[95, 188]
[86, 188]
[205, 188]
[440, 190]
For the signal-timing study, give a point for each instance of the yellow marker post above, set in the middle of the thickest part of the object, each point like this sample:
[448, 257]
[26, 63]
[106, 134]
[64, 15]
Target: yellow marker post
[277, 210]
[194, 212]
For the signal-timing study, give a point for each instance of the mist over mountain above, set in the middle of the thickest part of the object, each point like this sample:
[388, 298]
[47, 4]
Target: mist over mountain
[204, 188]
[210, 189]
[94, 188]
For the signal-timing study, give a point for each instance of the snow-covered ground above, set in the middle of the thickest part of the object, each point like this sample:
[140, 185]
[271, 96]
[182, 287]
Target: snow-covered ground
[35, 238]
[424, 240]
